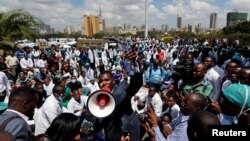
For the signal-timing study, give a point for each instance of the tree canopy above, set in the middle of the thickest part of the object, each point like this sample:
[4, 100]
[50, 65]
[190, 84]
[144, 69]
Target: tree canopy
[15, 25]
[243, 27]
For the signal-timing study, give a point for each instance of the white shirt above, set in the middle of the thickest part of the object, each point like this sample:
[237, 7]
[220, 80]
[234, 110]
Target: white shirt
[90, 74]
[4, 82]
[5, 85]
[175, 61]
[220, 71]
[83, 80]
[156, 103]
[41, 63]
[49, 88]
[77, 52]
[142, 94]
[46, 114]
[94, 87]
[175, 111]
[104, 58]
[112, 53]
[91, 55]
[147, 54]
[26, 63]
[214, 77]
[116, 67]
[36, 53]
[11, 61]
[73, 63]
[74, 105]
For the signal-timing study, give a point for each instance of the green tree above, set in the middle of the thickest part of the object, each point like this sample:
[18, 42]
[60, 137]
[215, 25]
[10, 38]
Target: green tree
[15, 25]
[243, 27]
[101, 35]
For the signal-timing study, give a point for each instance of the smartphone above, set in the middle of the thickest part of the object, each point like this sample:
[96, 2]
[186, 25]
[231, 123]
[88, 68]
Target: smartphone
[209, 100]
[125, 133]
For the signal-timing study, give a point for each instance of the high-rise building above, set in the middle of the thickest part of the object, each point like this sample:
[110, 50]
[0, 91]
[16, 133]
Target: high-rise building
[190, 28]
[103, 25]
[234, 18]
[146, 19]
[164, 27]
[68, 29]
[101, 20]
[179, 22]
[198, 28]
[93, 24]
[213, 21]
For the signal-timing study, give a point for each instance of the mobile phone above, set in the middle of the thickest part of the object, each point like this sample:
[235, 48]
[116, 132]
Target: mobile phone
[209, 100]
[125, 133]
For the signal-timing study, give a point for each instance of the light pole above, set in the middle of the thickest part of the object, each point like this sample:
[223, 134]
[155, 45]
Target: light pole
[146, 20]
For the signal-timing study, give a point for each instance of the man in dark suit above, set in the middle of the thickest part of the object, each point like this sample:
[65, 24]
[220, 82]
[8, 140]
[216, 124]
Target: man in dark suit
[123, 119]
[22, 102]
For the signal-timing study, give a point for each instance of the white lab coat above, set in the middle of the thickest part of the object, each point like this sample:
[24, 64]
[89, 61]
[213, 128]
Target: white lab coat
[73, 105]
[44, 116]
[214, 77]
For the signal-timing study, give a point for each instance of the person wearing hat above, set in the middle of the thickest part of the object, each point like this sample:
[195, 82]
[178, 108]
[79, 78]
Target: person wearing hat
[234, 105]
[3, 107]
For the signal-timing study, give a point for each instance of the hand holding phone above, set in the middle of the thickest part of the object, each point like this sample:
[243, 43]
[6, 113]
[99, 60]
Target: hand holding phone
[209, 100]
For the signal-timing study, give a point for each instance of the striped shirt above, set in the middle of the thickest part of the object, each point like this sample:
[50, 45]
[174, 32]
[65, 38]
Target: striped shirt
[204, 87]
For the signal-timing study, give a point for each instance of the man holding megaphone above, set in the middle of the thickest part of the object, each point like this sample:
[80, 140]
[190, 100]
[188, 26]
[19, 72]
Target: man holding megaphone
[123, 118]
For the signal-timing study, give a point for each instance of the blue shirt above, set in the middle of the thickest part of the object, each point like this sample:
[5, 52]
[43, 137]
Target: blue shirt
[155, 75]
[19, 54]
[179, 127]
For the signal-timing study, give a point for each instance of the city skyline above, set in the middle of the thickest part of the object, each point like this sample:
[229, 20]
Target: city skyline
[59, 13]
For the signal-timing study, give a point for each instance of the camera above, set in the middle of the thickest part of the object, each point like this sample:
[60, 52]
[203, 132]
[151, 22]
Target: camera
[183, 66]
[184, 69]
[143, 118]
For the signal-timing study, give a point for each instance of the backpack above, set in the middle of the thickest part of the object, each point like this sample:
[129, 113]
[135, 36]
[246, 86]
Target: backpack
[5, 123]
[150, 71]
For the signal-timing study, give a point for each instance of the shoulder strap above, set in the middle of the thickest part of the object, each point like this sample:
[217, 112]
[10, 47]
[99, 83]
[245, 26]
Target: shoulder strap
[150, 71]
[4, 124]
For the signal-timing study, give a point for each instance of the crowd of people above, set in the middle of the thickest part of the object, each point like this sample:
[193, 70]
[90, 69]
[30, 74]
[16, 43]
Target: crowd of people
[163, 91]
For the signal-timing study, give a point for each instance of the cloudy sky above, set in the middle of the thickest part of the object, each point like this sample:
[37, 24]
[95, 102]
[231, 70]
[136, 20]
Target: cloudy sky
[59, 13]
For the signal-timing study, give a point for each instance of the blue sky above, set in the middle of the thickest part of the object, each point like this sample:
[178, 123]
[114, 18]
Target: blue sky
[59, 13]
